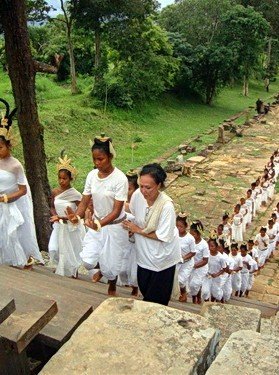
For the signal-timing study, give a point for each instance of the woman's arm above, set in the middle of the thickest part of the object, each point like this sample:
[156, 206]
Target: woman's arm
[11, 197]
[189, 256]
[133, 228]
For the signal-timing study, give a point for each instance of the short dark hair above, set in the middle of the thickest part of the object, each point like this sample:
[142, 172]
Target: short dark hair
[156, 172]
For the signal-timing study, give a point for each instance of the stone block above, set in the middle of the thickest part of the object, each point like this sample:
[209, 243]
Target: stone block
[126, 336]
[272, 290]
[267, 272]
[249, 353]
[266, 326]
[196, 159]
[229, 319]
[271, 298]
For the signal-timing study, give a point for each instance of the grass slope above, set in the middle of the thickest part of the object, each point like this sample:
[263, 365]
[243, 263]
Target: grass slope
[70, 121]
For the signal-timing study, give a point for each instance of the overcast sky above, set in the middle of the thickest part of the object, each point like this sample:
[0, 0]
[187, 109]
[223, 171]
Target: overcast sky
[56, 3]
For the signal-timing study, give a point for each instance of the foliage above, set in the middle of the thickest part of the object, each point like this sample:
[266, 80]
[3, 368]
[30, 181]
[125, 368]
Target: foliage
[244, 31]
[141, 65]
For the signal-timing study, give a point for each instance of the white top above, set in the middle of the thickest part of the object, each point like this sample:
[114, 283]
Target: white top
[105, 191]
[237, 260]
[254, 266]
[237, 219]
[202, 251]
[216, 263]
[153, 254]
[187, 244]
[272, 233]
[247, 259]
[254, 252]
[14, 175]
[261, 240]
[228, 260]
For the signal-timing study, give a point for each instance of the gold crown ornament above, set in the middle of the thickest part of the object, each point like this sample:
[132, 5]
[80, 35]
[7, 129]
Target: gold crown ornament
[65, 163]
[103, 138]
[132, 173]
[6, 121]
[183, 215]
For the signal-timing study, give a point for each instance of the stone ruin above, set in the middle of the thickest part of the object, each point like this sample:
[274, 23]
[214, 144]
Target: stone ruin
[127, 336]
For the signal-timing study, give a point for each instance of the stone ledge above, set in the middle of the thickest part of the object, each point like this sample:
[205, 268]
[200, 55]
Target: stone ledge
[249, 353]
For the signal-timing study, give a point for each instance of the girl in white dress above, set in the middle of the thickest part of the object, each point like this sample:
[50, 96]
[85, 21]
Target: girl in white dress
[258, 191]
[237, 234]
[244, 213]
[65, 243]
[188, 251]
[212, 284]
[128, 274]
[227, 229]
[262, 242]
[247, 261]
[18, 243]
[254, 197]
[200, 268]
[237, 267]
[106, 239]
[226, 276]
[272, 235]
[250, 205]
[253, 250]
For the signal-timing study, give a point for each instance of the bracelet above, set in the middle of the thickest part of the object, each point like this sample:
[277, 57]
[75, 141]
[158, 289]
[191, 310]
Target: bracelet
[98, 225]
[5, 198]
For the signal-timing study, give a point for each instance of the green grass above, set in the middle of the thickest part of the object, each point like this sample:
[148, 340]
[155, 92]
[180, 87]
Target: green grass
[70, 121]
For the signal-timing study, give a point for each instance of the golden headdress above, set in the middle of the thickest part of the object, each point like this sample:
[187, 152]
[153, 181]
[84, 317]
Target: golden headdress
[183, 215]
[65, 163]
[6, 121]
[132, 173]
[213, 235]
[103, 139]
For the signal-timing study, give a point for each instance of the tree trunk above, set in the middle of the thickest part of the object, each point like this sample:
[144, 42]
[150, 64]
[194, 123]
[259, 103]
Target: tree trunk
[97, 47]
[22, 74]
[74, 88]
[245, 86]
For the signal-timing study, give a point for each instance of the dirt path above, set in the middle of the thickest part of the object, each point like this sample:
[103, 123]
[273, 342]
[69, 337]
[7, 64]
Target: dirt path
[218, 183]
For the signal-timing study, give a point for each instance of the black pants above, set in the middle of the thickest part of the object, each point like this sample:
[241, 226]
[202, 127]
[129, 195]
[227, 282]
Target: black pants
[156, 286]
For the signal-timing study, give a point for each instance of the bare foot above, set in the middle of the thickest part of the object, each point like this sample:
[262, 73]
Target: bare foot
[97, 277]
[135, 291]
[183, 297]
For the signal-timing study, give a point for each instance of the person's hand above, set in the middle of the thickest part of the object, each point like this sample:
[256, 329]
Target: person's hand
[131, 227]
[71, 216]
[54, 218]
[90, 223]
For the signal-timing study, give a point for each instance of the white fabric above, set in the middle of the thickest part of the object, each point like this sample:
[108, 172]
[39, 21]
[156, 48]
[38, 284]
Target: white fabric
[249, 204]
[244, 213]
[18, 238]
[108, 245]
[227, 233]
[198, 274]
[272, 234]
[128, 273]
[154, 213]
[237, 234]
[258, 201]
[212, 287]
[263, 243]
[66, 238]
[156, 255]
[105, 191]
[245, 272]
[226, 278]
[236, 277]
[187, 245]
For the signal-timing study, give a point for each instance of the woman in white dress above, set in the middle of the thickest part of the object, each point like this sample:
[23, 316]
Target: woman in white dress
[247, 263]
[200, 268]
[244, 213]
[65, 243]
[237, 233]
[227, 229]
[272, 235]
[105, 240]
[156, 236]
[18, 243]
[188, 251]
[250, 204]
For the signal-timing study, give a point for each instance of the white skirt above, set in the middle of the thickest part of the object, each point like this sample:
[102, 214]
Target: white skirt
[196, 279]
[106, 247]
[212, 287]
[184, 273]
[18, 238]
[237, 233]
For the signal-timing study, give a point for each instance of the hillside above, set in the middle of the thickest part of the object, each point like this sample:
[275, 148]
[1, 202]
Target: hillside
[71, 121]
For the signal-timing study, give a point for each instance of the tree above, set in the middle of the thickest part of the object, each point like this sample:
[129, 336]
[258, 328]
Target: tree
[197, 21]
[96, 15]
[140, 64]
[244, 31]
[68, 21]
[22, 72]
